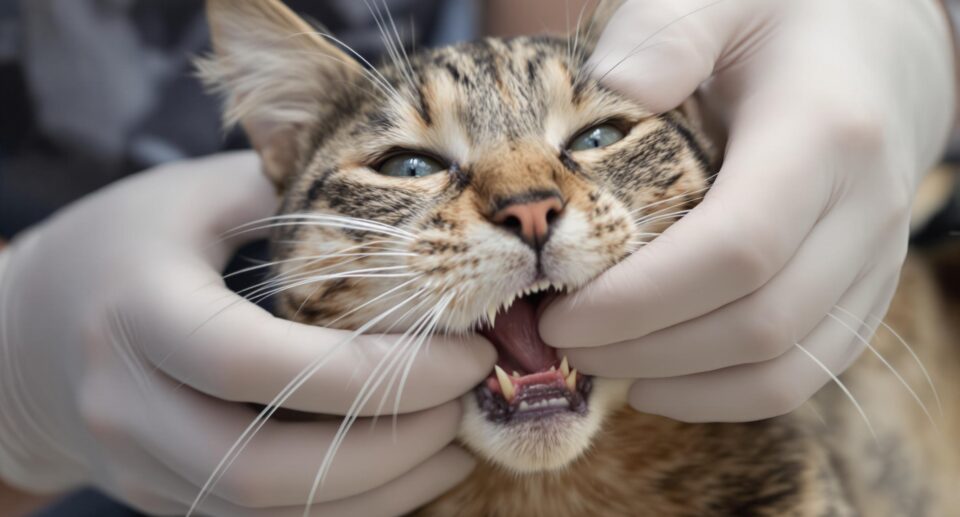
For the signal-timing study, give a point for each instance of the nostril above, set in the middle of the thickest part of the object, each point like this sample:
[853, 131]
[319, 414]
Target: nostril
[512, 222]
[552, 215]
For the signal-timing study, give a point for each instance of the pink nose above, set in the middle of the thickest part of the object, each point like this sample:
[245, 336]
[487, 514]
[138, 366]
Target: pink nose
[531, 220]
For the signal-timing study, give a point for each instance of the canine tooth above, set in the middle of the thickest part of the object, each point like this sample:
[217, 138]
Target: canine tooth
[564, 367]
[506, 386]
[572, 380]
[491, 315]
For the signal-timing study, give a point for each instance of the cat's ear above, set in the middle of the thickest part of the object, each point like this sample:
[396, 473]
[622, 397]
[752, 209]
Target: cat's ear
[278, 77]
[590, 28]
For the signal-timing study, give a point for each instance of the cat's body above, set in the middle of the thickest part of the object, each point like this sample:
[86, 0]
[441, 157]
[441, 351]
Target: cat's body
[818, 461]
[462, 186]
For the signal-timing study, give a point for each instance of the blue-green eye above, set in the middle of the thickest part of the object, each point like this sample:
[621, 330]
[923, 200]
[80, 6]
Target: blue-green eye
[596, 137]
[410, 165]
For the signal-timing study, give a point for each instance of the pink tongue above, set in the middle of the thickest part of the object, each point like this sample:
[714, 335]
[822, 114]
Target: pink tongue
[518, 341]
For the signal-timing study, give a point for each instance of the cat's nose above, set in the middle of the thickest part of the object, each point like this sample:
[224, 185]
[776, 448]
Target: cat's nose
[530, 220]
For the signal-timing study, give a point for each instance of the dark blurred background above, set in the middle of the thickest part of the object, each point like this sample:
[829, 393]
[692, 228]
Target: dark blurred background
[93, 90]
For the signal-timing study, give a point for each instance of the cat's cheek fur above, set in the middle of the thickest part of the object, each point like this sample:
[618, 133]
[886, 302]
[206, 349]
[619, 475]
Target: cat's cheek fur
[485, 268]
[541, 445]
[588, 241]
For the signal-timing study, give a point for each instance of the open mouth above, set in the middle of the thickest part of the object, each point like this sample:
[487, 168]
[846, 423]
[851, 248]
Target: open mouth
[529, 380]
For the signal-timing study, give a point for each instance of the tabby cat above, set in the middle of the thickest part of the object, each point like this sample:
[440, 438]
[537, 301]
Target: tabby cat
[475, 182]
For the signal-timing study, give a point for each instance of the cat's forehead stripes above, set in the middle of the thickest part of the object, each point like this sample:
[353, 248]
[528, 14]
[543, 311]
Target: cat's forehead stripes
[490, 91]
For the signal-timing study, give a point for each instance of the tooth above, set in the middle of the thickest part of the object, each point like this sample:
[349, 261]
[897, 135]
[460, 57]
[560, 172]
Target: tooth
[564, 366]
[553, 368]
[491, 316]
[506, 386]
[516, 374]
[572, 380]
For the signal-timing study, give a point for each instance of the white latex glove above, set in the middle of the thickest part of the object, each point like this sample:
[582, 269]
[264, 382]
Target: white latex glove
[835, 109]
[105, 377]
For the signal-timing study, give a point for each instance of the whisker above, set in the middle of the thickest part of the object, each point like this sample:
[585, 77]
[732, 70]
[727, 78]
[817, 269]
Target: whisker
[374, 300]
[346, 252]
[369, 70]
[323, 278]
[890, 367]
[322, 224]
[281, 397]
[310, 261]
[366, 392]
[326, 217]
[408, 337]
[926, 375]
[640, 45]
[673, 215]
[843, 387]
[690, 194]
[816, 412]
[391, 47]
[403, 49]
[293, 280]
[409, 365]
[923, 369]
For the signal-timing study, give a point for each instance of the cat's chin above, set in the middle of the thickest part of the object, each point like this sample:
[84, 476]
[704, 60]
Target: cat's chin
[534, 412]
[543, 438]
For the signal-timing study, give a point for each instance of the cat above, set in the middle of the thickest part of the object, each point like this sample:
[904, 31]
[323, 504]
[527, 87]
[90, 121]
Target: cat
[469, 185]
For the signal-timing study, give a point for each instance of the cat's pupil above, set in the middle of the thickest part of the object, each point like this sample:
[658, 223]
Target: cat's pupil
[594, 139]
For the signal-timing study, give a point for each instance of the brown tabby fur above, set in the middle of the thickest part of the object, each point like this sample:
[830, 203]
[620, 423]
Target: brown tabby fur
[500, 112]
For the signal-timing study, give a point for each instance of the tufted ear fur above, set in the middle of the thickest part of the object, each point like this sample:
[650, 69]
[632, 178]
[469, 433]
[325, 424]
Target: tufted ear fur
[278, 77]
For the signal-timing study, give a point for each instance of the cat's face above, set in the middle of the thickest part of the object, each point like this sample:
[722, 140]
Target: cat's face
[458, 193]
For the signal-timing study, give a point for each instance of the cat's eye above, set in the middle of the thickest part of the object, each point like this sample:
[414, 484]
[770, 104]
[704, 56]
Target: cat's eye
[596, 137]
[410, 165]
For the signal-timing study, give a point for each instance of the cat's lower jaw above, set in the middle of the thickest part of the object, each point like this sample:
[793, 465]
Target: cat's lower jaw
[543, 439]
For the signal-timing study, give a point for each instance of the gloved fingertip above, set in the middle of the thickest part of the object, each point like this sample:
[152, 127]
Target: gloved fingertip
[458, 461]
[556, 321]
[469, 350]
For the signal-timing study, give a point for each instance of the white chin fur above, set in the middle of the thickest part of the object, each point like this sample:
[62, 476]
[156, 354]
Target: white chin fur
[541, 445]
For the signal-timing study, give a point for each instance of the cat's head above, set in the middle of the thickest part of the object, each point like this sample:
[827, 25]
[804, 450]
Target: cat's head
[456, 190]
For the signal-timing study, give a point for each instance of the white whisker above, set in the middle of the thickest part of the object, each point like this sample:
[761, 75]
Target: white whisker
[923, 369]
[890, 367]
[926, 375]
[843, 387]
[281, 397]
[640, 46]
[366, 392]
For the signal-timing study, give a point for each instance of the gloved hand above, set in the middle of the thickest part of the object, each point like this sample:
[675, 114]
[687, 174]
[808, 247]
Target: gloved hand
[118, 366]
[834, 111]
